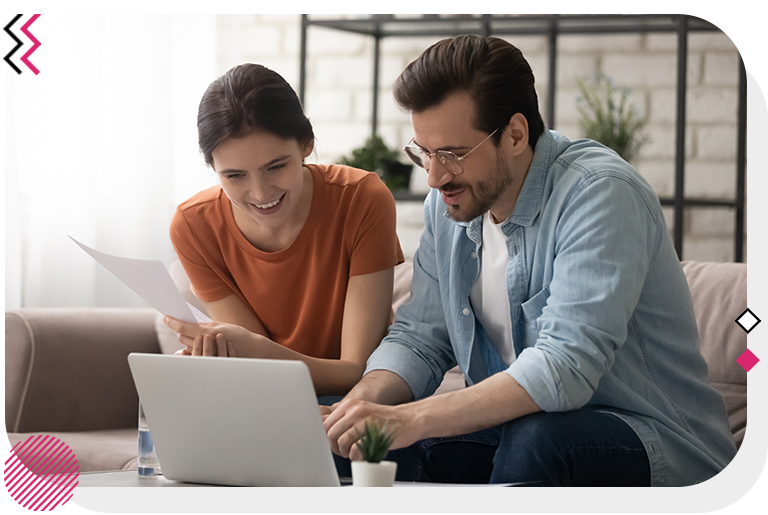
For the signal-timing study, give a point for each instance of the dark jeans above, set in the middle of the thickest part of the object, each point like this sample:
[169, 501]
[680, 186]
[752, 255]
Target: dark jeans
[573, 448]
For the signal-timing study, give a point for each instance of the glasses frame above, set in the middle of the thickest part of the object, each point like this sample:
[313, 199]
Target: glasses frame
[442, 155]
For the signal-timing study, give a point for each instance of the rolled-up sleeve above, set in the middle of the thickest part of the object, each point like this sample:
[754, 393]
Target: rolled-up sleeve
[605, 239]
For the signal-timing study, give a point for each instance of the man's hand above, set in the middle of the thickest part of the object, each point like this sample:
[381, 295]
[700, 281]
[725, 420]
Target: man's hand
[489, 403]
[218, 339]
[343, 422]
[370, 398]
[325, 411]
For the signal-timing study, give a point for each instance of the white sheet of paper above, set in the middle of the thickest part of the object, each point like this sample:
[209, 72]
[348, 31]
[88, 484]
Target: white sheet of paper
[151, 281]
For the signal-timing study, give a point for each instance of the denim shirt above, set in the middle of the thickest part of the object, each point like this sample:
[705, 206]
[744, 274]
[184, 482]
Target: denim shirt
[602, 316]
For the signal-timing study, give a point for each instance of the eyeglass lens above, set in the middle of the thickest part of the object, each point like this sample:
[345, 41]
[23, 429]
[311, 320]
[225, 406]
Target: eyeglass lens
[423, 160]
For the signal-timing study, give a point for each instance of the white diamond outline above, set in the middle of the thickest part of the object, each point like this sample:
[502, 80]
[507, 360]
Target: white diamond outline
[752, 314]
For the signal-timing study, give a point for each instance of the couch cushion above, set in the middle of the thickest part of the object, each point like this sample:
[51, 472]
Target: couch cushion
[402, 284]
[114, 449]
[66, 369]
[719, 292]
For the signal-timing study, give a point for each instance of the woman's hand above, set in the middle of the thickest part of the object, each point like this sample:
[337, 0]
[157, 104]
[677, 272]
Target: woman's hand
[219, 339]
[209, 345]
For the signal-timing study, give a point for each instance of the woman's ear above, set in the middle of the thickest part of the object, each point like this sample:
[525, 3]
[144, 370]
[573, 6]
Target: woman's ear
[307, 148]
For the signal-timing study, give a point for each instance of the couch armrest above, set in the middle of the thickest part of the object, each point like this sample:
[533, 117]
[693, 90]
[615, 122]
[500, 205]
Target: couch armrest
[66, 369]
[719, 294]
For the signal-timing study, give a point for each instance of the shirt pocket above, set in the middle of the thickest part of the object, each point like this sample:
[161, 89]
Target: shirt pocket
[532, 309]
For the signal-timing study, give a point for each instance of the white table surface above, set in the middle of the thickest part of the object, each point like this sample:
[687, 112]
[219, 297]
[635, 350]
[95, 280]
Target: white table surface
[130, 478]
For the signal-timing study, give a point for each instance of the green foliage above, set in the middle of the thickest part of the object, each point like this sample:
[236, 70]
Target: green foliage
[374, 442]
[370, 155]
[609, 119]
[395, 183]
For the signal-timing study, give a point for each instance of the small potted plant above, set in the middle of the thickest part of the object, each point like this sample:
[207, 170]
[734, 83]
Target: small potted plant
[374, 443]
[607, 117]
[376, 156]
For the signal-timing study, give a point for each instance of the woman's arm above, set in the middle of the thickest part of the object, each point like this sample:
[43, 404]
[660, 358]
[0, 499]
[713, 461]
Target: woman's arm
[229, 310]
[367, 309]
[366, 316]
[232, 310]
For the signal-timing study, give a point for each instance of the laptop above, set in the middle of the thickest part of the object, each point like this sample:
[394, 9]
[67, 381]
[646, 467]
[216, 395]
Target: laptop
[230, 421]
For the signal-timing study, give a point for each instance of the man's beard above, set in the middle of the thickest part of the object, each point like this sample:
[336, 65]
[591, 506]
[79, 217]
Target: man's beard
[484, 193]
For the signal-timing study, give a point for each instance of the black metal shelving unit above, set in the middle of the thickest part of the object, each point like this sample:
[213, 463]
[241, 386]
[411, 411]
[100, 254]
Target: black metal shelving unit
[553, 26]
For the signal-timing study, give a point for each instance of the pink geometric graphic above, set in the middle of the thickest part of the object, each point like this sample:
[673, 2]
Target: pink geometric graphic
[24, 58]
[41, 473]
[747, 360]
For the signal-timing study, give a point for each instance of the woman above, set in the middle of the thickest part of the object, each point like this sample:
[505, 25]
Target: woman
[292, 260]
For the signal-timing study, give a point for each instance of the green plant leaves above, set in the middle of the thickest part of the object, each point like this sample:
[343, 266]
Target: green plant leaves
[607, 117]
[369, 156]
[374, 442]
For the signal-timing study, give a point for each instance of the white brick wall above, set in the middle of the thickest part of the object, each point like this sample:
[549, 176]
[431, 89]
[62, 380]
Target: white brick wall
[716, 142]
[710, 179]
[338, 101]
[640, 70]
[663, 106]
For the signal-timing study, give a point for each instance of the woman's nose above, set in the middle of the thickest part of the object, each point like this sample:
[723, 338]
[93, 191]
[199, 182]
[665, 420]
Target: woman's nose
[259, 189]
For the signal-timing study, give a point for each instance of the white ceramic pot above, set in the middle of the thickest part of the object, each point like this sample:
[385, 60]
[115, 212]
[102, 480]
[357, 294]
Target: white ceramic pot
[373, 474]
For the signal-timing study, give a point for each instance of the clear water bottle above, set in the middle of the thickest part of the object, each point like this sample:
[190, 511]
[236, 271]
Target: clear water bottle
[149, 465]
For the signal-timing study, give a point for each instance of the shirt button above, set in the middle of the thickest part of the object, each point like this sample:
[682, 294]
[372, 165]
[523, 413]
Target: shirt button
[474, 255]
[465, 311]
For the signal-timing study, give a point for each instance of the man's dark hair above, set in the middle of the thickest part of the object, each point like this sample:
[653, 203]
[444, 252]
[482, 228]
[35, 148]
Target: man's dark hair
[492, 71]
[249, 98]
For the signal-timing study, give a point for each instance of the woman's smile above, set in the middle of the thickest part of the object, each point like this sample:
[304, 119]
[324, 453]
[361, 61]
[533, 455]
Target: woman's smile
[269, 207]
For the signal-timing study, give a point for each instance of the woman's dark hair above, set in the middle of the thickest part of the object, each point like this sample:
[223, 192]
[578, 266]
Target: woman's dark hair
[492, 71]
[247, 99]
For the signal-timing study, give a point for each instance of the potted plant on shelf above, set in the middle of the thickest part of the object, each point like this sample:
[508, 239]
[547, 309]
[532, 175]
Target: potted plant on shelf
[374, 443]
[607, 117]
[376, 156]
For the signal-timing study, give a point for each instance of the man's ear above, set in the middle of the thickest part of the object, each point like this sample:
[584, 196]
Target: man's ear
[517, 133]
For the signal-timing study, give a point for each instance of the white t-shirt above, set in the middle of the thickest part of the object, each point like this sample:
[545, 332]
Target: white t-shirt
[489, 295]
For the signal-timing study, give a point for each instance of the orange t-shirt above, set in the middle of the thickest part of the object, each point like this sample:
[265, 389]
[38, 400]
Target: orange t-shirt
[298, 293]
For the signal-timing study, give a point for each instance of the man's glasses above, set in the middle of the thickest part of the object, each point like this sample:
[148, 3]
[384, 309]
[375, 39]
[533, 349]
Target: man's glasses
[448, 159]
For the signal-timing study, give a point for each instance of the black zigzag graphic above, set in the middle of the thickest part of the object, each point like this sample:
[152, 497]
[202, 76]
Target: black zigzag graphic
[10, 21]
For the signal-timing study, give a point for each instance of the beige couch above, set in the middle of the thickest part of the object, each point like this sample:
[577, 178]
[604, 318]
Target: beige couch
[66, 372]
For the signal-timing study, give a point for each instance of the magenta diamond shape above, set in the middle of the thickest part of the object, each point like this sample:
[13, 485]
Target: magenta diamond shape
[747, 360]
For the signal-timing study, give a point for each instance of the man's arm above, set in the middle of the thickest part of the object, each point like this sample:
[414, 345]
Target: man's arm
[496, 400]
[418, 346]
[381, 387]
[606, 241]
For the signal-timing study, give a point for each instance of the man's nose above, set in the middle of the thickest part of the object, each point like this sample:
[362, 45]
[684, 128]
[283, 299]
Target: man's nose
[438, 174]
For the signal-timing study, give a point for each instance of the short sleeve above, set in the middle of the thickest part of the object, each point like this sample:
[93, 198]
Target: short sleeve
[373, 219]
[205, 282]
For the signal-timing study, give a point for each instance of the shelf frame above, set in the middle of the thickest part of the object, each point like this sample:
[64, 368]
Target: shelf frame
[552, 27]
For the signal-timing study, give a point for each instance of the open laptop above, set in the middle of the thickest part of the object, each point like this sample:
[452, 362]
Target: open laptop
[229, 421]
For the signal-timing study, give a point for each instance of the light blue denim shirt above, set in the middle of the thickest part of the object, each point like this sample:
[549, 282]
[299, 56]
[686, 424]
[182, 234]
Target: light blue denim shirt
[601, 313]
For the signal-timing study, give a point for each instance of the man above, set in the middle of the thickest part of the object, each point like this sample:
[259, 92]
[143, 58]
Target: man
[546, 272]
